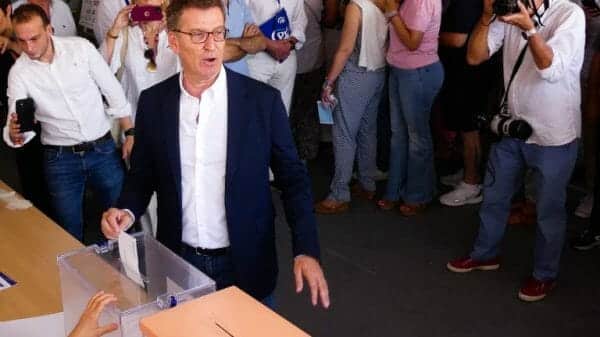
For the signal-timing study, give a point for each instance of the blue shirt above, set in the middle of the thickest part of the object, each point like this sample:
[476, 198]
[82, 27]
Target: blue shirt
[238, 15]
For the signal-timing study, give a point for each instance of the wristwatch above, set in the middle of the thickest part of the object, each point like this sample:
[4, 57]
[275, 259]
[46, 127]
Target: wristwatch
[529, 33]
[129, 132]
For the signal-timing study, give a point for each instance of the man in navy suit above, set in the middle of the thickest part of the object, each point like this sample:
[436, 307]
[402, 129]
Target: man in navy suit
[205, 139]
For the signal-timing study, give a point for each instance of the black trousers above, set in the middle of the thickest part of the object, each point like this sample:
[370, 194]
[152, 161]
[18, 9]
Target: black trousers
[30, 167]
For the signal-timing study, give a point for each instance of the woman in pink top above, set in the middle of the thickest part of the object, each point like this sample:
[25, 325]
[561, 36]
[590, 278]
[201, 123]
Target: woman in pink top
[416, 76]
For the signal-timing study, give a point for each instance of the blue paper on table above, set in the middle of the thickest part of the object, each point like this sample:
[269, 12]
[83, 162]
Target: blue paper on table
[325, 113]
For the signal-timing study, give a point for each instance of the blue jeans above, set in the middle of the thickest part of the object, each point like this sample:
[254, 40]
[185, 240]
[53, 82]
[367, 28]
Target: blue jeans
[412, 92]
[67, 174]
[552, 167]
[220, 269]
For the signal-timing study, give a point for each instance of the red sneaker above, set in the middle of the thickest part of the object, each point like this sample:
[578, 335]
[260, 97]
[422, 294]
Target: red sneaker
[466, 264]
[534, 290]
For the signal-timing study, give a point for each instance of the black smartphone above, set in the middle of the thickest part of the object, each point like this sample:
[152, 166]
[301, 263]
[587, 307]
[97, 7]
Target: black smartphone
[25, 110]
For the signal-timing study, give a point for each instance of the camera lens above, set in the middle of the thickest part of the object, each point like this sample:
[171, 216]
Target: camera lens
[519, 129]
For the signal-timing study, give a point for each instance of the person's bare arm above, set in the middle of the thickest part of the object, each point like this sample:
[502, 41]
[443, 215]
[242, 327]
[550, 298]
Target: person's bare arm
[410, 38]
[121, 21]
[477, 48]
[542, 53]
[233, 51]
[251, 42]
[352, 22]
[453, 40]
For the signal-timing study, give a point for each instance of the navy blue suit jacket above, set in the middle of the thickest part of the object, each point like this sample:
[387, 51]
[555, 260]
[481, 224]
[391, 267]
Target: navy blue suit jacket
[258, 137]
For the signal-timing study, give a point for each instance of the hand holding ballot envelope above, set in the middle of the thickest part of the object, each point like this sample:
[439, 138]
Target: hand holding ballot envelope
[114, 221]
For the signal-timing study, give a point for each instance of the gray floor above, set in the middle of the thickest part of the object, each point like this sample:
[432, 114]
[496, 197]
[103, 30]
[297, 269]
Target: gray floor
[387, 275]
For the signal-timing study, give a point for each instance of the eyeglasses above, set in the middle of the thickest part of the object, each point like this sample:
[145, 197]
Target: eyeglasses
[198, 36]
[149, 55]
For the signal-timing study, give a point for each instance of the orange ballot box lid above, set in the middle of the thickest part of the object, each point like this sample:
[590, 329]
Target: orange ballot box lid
[228, 313]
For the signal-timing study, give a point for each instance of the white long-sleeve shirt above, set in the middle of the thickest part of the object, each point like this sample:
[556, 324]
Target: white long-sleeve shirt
[548, 99]
[203, 153]
[67, 93]
[61, 17]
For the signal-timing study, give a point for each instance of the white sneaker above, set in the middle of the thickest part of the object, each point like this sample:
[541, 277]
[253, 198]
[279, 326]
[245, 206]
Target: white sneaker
[584, 210]
[463, 194]
[453, 179]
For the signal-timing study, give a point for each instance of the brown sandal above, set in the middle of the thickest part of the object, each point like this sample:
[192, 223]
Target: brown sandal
[386, 205]
[411, 209]
[523, 214]
[360, 192]
[330, 206]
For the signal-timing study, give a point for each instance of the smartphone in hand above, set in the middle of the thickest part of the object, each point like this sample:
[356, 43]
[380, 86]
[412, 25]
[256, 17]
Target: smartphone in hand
[25, 109]
[146, 13]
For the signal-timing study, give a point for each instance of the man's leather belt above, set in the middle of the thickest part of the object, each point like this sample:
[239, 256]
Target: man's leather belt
[81, 147]
[207, 252]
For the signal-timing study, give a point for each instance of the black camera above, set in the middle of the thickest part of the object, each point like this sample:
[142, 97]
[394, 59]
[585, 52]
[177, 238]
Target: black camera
[504, 124]
[505, 7]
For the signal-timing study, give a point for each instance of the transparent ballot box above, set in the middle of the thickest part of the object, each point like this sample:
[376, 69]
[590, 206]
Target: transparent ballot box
[162, 280]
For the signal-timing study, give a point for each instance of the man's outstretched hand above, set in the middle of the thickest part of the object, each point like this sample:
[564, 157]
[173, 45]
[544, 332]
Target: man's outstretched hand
[308, 269]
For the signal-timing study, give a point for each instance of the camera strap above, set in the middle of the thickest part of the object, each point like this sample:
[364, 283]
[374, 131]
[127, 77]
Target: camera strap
[516, 67]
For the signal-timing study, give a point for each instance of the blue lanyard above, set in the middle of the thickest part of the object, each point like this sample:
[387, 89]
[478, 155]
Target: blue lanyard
[127, 2]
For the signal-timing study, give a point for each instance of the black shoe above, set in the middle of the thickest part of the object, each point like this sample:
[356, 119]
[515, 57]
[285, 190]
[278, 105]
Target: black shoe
[586, 241]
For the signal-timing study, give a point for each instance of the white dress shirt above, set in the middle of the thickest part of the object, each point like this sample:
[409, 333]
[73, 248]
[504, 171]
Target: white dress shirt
[136, 77]
[203, 152]
[106, 12]
[68, 93]
[61, 17]
[549, 99]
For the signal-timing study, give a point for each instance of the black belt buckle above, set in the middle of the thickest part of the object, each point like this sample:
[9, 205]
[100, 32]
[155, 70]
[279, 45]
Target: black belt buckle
[83, 147]
[88, 146]
[208, 252]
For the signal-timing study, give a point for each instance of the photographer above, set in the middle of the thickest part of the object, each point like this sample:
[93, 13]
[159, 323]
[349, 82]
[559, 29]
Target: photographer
[543, 45]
